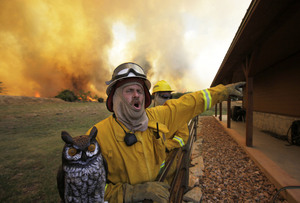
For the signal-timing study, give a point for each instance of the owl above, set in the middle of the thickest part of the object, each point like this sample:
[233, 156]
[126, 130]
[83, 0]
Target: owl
[82, 174]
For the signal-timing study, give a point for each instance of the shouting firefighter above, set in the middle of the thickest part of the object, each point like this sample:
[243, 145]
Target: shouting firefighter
[132, 140]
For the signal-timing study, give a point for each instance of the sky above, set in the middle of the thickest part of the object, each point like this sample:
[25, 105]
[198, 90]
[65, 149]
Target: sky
[48, 46]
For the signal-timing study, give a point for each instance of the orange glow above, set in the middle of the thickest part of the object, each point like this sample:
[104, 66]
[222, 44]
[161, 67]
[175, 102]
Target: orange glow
[87, 98]
[37, 94]
[90, 98]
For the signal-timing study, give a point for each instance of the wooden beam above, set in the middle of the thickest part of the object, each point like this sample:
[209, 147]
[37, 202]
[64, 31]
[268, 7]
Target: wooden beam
[216, 110]
[220, 117]
[229, 112]
[249, 95]
[249, 112]
[244, 66]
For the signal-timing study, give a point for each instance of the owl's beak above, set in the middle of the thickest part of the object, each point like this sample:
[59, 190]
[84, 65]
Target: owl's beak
[83, 156]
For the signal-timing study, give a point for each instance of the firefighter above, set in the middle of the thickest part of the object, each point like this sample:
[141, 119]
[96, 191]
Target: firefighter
[132, 139]
[162, 93]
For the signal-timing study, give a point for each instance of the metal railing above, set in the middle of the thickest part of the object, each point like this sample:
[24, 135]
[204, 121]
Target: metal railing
[180, 181]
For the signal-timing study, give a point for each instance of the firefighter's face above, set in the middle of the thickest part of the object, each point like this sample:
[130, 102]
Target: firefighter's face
[134, 95]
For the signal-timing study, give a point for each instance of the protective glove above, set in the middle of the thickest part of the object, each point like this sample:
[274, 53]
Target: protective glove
[156, 191]
[233, 89]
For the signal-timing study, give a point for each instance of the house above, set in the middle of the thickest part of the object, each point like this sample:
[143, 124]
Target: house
[265, 53]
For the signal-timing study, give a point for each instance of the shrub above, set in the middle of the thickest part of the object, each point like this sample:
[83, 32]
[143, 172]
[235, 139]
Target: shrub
[101, 100]
[67, 95]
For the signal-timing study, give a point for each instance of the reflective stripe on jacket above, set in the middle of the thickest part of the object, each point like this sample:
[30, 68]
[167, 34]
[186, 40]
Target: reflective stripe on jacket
[179, 139]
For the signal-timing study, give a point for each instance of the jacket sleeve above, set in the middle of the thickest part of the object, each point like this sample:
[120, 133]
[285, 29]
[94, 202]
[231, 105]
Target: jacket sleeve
[114, 193]
[177, 112]
[179, 139]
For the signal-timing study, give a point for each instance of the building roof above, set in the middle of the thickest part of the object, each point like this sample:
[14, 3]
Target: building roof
[269, 33]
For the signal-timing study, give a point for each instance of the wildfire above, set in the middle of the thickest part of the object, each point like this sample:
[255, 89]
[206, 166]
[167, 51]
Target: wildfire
[87, 98]
[103, 36]
[37, 94]
[90, 99]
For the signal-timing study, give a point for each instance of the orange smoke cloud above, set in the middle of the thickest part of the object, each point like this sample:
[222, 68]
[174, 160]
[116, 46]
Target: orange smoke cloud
[49, 46]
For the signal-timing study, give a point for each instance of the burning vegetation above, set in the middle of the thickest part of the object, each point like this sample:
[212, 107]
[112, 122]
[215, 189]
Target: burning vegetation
[70, 96]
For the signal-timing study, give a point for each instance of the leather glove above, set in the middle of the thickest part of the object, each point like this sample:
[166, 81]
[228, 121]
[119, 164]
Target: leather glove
[233, 89]
[156, 191]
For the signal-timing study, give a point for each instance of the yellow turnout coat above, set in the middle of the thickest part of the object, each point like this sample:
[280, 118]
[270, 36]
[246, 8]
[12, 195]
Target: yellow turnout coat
[142, 161]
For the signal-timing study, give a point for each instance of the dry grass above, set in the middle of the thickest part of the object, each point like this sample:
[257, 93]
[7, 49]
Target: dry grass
[31, 145]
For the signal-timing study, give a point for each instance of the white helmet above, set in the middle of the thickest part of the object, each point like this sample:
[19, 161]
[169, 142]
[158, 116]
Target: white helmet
[123, 73]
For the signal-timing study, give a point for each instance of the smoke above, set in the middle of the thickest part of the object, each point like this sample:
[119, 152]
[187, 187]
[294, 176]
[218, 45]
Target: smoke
[47, 46]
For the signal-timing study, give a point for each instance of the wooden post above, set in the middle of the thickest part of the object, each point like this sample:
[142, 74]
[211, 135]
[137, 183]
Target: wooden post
[250, 62]
[229, 112]
[249, 112]
[220, 117]
[216, 110]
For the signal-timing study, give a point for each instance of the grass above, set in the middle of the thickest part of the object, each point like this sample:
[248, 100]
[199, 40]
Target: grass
[31, 145]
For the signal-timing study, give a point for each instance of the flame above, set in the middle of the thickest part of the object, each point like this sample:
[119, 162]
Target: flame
[91, 99]
[87, 98]
[37, 94]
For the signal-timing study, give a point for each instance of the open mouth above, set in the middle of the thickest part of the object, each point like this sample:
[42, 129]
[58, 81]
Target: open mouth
[136, 105]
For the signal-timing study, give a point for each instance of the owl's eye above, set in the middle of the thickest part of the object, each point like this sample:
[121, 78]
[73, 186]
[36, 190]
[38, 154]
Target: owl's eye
[72, 151]
[92, 147]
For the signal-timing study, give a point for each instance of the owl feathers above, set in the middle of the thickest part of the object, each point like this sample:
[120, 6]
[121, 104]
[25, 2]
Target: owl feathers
[82, 175]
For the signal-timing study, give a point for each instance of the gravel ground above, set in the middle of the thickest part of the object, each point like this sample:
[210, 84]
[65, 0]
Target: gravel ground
[230, 175]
